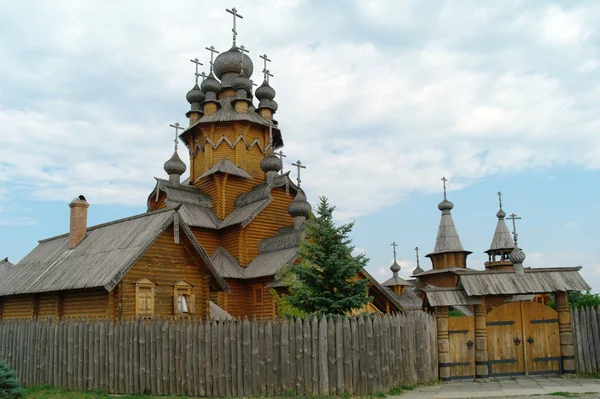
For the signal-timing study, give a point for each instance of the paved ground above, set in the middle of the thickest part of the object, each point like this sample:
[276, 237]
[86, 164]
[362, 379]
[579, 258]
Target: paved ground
[507, 388]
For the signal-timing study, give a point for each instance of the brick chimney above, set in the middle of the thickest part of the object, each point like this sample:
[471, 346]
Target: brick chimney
[78, 228]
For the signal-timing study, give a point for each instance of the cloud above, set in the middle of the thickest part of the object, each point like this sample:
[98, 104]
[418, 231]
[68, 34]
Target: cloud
[379, 99]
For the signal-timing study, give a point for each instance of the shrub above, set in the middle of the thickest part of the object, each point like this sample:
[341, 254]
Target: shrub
[10, 388]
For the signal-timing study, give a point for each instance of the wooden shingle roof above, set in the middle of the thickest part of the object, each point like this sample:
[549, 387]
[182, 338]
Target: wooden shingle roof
[100, 260]
[5, 266]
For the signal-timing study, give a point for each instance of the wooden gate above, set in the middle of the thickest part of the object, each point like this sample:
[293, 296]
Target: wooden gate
[523, 339]
[462, 347]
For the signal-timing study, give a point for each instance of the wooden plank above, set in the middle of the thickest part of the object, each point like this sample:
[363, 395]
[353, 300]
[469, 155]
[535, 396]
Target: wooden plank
[247, 358]
[339, 356]
[376, 353]
[299, 359]
[323, 358]
[178, 353]
[215, 358]
[347, 355]
[587, 342]
[233, 356]
[268, 353]
[596, 339]
[173, 386]
[579, 342]
[262, 380]
[96, 355]
[189, 354]
[194, 357]
[111, 357]
[153, 365]
[136, 359]
[331, 356]
[364, 356]
[307, 342]
[292, 356]
[149, 355]
[354, 356]
[255, 357]
[285, 357]
[240, 357]
[201, 360]
[276, 358]
[314, 332]
[371, 386]
[226, 358]
[208, 357]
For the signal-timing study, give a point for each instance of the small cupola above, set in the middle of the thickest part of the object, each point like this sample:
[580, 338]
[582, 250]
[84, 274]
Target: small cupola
[175, 167]
[195, 97]
[517, 256]
[501, 245]
[271, 165]
[299, 209]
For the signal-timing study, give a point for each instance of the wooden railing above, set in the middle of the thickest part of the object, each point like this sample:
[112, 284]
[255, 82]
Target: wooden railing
[359, 355]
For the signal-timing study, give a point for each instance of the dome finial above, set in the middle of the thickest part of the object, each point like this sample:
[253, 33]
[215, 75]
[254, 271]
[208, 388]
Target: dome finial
[517, 256]
[198, 63]
[395, 267]
[235, 14]
[418, 268]
[445, 205]
[212, 55]
[500, 214]
[175, 167]
[299, 165]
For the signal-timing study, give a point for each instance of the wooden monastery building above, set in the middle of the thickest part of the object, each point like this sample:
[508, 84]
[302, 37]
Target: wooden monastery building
[211, 243]
[507, 327]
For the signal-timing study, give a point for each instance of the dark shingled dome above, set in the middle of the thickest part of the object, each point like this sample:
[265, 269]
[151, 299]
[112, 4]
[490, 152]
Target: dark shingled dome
[299, 206]
[195, 95]
[231, 61]
[175, 165]
[271, 163]
[265, 91]
[211, 84]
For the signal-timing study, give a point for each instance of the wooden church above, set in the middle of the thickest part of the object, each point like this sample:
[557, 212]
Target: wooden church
[211, 242]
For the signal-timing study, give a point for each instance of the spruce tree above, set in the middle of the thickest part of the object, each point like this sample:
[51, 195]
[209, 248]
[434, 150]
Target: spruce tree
[325, 280]
[10, 388]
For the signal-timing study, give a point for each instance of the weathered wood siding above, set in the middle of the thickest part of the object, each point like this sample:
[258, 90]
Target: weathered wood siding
[17, 307]
[328, 357]
[81, 303]
[209, 239]
[165, 263]
[49, 305]
[267, 223]
[268, 308]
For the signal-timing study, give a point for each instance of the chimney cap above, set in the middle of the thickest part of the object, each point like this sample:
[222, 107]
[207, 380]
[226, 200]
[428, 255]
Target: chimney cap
[79, 199]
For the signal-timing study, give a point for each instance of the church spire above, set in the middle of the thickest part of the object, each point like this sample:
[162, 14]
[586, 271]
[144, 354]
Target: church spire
[502, 243]
[175, 167]
[448, 251]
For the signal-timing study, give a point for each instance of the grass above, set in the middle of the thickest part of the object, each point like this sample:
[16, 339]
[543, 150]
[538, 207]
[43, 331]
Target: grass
[569, 394]
[45, 392]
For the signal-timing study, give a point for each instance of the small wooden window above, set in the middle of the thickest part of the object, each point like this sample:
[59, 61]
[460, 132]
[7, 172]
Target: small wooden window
[184, 302]
[258, 293]
[144, 298]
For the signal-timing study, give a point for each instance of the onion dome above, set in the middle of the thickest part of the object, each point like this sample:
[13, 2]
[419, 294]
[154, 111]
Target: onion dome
[265, 91]
[517, 255]
[231, 61]
[395, 268]
[195, 95]
[175, 166]
[271, 163]
[242, 82]
[500, 214]
[210, 84]
[445, 205]
[299, 206]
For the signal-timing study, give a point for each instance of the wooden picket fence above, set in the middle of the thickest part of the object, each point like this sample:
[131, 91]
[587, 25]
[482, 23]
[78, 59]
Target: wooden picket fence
[585, 323]
[359, 355]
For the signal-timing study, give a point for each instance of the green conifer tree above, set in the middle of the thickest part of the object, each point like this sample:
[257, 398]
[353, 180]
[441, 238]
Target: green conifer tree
[10, 388]
[325, 280]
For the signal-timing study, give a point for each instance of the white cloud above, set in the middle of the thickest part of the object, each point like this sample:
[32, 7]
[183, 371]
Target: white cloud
[379, 109]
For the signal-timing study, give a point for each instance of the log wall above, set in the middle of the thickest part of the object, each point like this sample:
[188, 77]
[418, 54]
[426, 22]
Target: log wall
[327, 357]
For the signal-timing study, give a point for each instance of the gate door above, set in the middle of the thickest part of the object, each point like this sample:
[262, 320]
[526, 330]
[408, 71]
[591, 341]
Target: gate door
[542, 338]
[462, 346]
[523, 339]
[505, 340]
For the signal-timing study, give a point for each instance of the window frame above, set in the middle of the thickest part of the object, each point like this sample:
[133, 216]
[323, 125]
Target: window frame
[255, 289]
[183, 288]
[144, 284]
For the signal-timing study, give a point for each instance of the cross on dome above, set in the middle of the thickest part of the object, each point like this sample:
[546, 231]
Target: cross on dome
[299, 165]
[514, 218]
[212, 55]
[177, 127]
[444, 180]
[394, 245]
[204, 75]
[265, 60]
[243, 50]
[198, 63]
[417, 251]
[500, 199]
[281, 156]
[235, 14]
[268, 74]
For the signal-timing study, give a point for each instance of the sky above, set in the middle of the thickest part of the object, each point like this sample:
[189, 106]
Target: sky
[380, 99]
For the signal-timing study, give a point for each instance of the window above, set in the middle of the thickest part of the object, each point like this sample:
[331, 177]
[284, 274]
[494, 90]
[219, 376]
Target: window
[258, 293]
[144, 298]
[183, 299]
